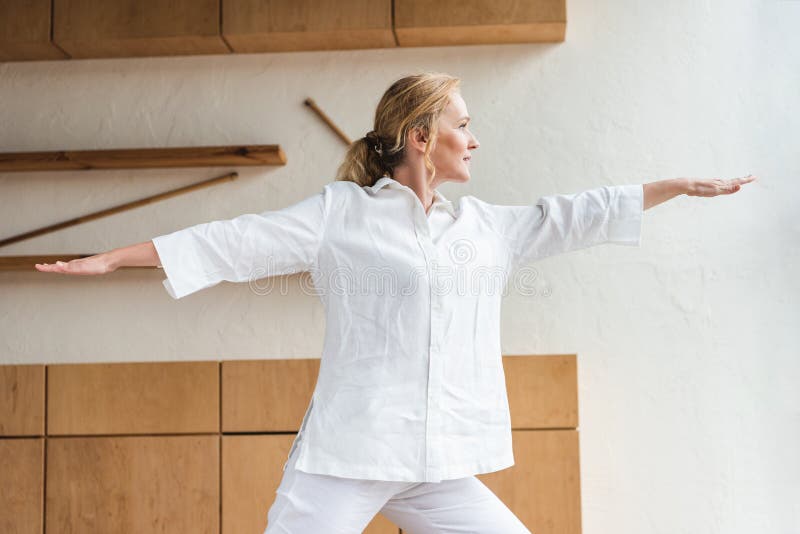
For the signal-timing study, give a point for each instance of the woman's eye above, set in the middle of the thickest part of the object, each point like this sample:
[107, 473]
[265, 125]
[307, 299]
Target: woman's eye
[463, 125]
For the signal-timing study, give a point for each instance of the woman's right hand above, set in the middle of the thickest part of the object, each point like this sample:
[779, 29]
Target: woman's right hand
[97, 264]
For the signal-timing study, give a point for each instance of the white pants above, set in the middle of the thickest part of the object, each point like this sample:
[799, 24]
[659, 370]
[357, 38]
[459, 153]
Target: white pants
[308, 503]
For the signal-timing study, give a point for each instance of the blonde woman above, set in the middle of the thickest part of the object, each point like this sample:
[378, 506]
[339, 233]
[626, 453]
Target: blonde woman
[410, 403]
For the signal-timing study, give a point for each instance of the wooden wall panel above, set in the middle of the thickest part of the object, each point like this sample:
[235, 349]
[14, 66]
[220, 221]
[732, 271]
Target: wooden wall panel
[542, 488]
[542, 391]
[267, 395]
[25, 31]
[138, 483]
[252, 467]
[133, 398]
[468, 22]
[132, 28]
[22, 400]
[21, 485]
[289, 25]
[133, 484]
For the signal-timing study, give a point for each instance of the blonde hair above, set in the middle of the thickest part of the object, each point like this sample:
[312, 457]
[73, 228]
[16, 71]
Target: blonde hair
[414, 101]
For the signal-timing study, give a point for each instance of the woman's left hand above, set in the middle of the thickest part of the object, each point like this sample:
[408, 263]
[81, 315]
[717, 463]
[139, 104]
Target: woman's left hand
[715, 186]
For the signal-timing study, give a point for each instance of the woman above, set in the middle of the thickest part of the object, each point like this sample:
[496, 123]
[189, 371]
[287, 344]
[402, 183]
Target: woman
[410, 403]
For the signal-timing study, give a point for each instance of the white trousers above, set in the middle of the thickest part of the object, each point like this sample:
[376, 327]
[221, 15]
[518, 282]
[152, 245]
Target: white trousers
[308, 503]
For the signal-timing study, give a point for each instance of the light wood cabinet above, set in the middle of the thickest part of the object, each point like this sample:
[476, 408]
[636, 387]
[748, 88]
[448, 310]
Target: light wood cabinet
[133, 484]
[288, 25]
[136, 28]
[75, 29]
[25, 31]
[200, 446]
[469, 22]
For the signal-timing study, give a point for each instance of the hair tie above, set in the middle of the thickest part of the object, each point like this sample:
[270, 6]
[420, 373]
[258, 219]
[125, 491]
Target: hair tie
[374, 139]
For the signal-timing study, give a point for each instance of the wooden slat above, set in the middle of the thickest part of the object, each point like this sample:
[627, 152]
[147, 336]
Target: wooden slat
[542, 391]
[252, 467]
[133, 484]
[143, 158]
[267, 395]
[21, 485]
[290, 25]
[22, 400]
[468, 22]
[542, 488]
[137, 28]
[25, 31]
[133, 398]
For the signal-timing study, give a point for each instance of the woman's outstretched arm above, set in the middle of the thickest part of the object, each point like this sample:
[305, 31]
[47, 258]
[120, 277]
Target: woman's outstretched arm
[663, 190]
[138, 255]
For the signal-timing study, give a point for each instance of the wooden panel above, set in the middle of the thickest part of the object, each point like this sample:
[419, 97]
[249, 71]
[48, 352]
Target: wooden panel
[22, 400]
[287, 25]
[267, 395]
[542, 391]
[466, 22]
[25, 31]
[133, 484]
[543, 486]
[21, 485]
[143, 158]
[252, 468]
[133, 398]
[130, 28]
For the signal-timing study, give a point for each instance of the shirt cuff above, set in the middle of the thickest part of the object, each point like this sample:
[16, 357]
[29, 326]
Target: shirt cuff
[184, 271]
[625, 219]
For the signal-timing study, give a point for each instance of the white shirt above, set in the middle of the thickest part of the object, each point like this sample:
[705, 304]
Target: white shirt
[411, 384]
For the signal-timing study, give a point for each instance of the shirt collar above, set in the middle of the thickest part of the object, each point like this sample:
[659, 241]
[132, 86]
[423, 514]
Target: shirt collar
[438, 198]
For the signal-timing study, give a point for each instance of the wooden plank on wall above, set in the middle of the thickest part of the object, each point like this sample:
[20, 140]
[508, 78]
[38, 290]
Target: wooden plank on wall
[132, 398]
[133, 484]
[467, 22]
[291, 25]
[25, 31]
[133, 28]
[21, 485]
[22, 400]
[252, 467]
[267, 395]
[542, 390]
[542, 488]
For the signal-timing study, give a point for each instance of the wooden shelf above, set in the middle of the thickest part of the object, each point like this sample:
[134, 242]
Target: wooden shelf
[143, 158]
[27, 263]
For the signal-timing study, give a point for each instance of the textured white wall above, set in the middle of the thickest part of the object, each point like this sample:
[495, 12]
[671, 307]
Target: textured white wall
[688, 345]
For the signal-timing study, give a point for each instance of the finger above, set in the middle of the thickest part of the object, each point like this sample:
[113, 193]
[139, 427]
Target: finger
[57, 267]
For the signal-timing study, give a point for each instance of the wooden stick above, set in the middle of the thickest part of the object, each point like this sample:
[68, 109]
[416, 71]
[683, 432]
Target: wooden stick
[116, 209]
[313, 105]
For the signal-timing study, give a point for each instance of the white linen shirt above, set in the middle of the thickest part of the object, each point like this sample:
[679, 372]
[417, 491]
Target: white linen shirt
[411, 384]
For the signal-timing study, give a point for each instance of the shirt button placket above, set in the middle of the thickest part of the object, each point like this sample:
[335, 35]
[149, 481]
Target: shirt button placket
[433, 423]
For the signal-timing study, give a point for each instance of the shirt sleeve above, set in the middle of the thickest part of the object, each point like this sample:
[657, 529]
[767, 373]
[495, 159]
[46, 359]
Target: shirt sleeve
[566, 222]
[248, 247]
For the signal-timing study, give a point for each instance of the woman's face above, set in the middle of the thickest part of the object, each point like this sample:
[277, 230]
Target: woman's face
[451, 151]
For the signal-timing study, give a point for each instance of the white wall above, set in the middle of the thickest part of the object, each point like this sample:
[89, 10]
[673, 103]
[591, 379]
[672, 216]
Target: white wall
[688, 345]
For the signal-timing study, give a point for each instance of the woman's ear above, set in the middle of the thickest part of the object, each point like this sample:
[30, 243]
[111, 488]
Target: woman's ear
[417, 139]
